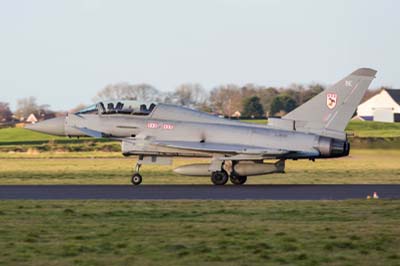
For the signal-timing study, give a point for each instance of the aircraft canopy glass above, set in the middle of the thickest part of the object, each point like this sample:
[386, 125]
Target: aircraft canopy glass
[119, 107]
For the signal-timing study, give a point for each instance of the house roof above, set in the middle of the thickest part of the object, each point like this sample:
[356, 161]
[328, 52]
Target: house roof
[31, 118]
[395, 94]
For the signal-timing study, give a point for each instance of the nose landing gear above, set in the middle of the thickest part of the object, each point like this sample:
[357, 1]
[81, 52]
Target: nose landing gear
[136, 177]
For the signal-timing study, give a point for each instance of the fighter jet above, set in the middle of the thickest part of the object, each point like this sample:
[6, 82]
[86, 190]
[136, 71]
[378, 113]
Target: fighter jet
[158, 132]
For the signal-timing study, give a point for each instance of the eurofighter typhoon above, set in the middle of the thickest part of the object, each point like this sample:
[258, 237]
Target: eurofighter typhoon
[158, 132]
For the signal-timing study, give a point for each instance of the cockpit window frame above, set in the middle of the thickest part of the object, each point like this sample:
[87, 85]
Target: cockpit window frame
[126, 107]
[91, 109]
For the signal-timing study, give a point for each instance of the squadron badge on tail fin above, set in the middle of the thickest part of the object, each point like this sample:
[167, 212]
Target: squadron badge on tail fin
[331, 100]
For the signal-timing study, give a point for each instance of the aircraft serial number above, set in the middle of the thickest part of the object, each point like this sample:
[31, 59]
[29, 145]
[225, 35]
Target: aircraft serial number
[154, 125]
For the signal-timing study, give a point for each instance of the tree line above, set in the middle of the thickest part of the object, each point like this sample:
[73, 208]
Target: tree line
[25, 107]
[229, 100]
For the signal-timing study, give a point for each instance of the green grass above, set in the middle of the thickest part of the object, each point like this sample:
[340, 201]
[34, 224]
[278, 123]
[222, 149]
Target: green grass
[35, 154]
[22, 135]
[27, 141]
[256, 121]
[89, 145]
[199, 233]
[362, 167]
[374, 129]
[196, 232]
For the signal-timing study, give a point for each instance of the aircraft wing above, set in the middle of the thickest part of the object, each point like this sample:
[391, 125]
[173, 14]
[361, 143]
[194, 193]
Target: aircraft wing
[220, 148]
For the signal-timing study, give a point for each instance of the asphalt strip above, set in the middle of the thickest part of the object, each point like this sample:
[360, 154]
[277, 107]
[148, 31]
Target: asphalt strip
[198, 192]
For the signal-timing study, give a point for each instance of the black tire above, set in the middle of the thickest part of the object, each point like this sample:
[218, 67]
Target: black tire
[136, 179]
[219, 178]
[238, 180]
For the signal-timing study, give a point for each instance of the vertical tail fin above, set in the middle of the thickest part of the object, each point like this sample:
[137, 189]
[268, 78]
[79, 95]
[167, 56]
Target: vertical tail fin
[333, 108]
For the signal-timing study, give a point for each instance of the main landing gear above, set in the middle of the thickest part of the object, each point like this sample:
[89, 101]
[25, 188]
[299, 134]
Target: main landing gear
[136, 177]
[221, 177]
[218, 178]
[237, 179]
[227, 172]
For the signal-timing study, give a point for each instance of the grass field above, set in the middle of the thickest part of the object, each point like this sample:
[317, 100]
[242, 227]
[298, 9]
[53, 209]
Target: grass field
[21, 135]
[362, 167]
[200, 233]
[331, 233]
[374, 129]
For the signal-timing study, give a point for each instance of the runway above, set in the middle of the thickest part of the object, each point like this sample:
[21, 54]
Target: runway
[196, 192]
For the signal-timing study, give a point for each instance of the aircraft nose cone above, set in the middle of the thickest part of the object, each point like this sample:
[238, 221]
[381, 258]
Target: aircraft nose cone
[53, 126]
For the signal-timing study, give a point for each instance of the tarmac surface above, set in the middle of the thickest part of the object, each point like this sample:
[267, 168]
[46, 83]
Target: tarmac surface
[197, 192]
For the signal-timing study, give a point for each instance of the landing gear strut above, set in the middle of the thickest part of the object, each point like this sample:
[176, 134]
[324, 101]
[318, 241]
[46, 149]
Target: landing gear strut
[136, 177]
[219, 177]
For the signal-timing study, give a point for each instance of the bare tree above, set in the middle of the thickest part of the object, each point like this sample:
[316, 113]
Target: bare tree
[250, 90]
[226, 99]
[27, 106]
[5, 113]
[125, 91]
[311, 91]
[190, 94]
[295, 91]
[78, 108]
[267, 95]
[45, 112]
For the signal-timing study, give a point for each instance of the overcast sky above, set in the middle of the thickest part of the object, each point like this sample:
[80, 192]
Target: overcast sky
[63, 52]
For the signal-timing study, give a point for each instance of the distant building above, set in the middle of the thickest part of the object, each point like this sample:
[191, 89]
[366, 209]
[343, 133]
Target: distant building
[383, 107]
[236, 114]
[31, 119]
[357, 118]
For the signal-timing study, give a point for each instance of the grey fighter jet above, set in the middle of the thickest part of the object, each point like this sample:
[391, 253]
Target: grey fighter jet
[159, 132]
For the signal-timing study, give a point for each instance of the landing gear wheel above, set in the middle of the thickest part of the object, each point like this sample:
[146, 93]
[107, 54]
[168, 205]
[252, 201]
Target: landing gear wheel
[136, 179]
[238, 180]
[219, 178]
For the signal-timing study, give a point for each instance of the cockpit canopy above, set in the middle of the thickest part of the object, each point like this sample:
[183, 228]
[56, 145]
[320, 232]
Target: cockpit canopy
[119, 107]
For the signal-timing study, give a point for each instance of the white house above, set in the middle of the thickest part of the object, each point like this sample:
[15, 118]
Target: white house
[31, 119]
[383, 107]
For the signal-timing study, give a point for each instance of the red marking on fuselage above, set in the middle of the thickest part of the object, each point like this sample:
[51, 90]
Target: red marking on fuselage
[152, 125]
[168, 126]
[155, 125]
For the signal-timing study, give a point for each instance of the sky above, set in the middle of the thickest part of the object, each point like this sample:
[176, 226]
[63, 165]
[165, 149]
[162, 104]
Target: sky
[64, 52]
